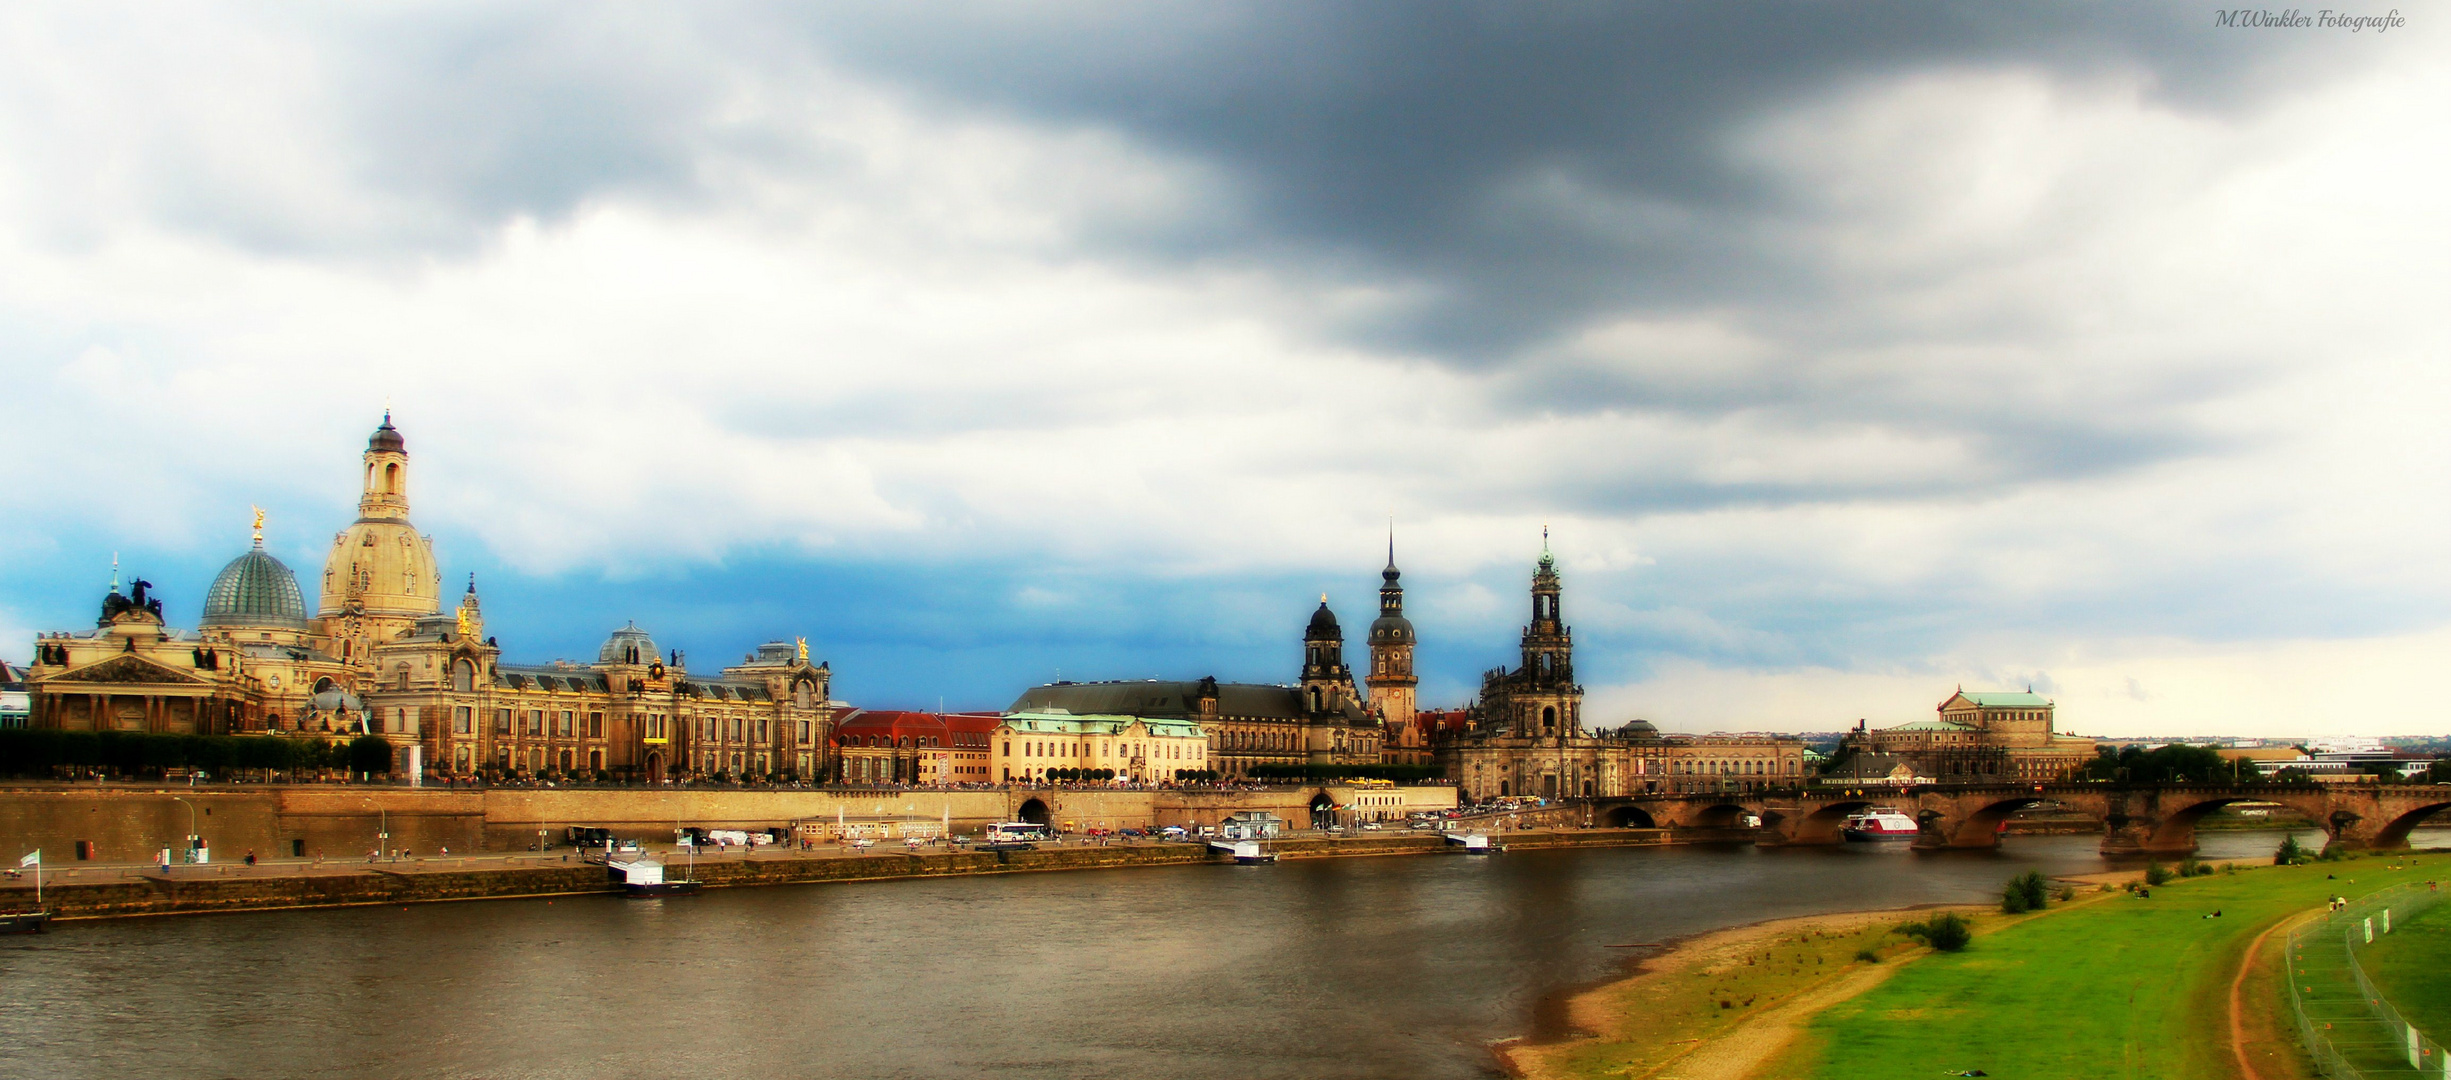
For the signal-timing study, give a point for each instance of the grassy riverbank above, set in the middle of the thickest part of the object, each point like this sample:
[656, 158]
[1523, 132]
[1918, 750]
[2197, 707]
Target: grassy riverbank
[1718, 1006]
[2410, 965]
[2106, 986]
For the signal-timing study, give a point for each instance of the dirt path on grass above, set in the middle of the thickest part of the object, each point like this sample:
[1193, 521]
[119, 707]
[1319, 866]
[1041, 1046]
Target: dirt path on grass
[2262, 1038]
[1737, 1054]
[1732, 1053]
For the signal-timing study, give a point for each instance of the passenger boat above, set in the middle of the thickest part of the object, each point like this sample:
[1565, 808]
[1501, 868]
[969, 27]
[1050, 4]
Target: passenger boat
[645, 878]
[1879, 823]
[1247, 852]
[1475, 843]
[24, 922]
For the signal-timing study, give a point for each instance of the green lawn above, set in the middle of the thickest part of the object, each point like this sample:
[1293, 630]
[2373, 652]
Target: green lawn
[2113, 987]
[2412, 966]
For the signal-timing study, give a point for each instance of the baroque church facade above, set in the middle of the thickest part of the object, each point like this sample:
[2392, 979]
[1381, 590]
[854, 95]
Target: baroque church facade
[380, 656]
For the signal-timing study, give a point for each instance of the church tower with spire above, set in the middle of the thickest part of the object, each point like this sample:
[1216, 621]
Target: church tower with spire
[1538, 700]
[380, 576]
[1392, 683]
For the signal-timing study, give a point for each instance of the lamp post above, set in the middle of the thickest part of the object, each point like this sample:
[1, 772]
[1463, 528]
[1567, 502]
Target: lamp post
[192, 833]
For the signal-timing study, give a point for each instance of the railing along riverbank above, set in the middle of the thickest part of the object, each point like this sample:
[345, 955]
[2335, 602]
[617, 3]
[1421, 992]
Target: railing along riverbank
[2346, 1024]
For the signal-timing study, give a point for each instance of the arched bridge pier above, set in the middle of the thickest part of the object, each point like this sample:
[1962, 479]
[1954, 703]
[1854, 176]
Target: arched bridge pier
[2137, 819]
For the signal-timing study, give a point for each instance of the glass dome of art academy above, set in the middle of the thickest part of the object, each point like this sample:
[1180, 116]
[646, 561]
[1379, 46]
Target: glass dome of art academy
[255, 590]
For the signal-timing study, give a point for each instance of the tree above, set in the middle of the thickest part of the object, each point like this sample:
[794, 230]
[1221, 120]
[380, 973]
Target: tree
[2175, 763]
[2028, 891]
[369, 754]
[2290, 853]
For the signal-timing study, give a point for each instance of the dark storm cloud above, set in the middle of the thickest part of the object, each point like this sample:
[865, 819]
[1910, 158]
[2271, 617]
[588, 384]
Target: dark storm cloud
[1507, 176]
[1530, 164]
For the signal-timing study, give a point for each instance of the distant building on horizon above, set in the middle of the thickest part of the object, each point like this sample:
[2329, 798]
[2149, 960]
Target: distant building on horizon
[1979, 736]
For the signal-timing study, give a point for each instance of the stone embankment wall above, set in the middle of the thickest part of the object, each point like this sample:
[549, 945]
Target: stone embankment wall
[128, 823]
[204, 894]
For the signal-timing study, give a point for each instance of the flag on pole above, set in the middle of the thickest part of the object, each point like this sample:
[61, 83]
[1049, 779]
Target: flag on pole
[32, 858]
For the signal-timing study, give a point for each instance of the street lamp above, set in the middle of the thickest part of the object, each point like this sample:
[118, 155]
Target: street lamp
[192, 832]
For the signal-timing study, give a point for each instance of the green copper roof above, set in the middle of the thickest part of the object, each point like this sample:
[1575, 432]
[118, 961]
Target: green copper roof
[255, 590]
[2003, 700]
[1932, 725]
[1061, 723]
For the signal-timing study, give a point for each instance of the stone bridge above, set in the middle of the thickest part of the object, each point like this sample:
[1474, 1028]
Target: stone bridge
[2147, 819]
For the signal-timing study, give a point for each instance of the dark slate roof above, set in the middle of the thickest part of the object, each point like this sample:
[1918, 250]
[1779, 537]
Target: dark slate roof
[723, 689]
[550, 678]
[1164, 698]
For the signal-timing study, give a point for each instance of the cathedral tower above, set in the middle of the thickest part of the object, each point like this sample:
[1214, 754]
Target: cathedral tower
[1540, 699]
[1327, 684]
[1392, 684]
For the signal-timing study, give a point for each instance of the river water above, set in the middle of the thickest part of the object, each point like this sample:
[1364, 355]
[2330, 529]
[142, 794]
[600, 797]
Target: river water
[1388, 967]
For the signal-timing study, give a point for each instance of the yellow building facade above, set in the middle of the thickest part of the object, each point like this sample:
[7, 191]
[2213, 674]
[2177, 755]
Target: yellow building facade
[381, 656]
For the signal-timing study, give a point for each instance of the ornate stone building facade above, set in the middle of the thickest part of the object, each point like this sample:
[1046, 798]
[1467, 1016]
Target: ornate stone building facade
[381, 658]
[1135, 748]
[1324, 720]
[1526, 735]
[1985, 736]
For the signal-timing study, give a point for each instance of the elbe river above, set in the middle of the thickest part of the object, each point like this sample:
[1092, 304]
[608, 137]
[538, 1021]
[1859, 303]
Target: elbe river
[1378, 967]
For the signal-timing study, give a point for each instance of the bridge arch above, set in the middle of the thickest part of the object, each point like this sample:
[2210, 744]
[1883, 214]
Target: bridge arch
[1975, 828]
[2176, 832]
[1717, 816]
[1631, 817]
[1034, 811]
[1823, 825]
[2394, 833]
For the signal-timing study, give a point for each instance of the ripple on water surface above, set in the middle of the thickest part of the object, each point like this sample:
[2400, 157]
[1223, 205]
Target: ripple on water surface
[1390, 967]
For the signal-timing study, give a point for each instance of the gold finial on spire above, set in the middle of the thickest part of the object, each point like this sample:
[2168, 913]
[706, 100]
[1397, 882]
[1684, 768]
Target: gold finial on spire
[803, 644]
[259, 525]
[1323, 598]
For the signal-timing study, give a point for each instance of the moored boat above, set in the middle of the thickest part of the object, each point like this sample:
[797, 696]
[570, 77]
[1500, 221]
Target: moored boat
[1247, 852]
[645, 877]
[24, 922]
[1879, 823]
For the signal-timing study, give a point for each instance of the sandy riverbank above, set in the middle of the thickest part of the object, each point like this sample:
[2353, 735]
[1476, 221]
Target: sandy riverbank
[1676, 996]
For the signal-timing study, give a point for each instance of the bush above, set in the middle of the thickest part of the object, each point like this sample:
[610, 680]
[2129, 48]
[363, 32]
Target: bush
[370, 754]
[1868, 956]
[2026, 892]
[2067, 893]
[2189, 867]
[1946, 932]
[2157, 874]
[2289, 853]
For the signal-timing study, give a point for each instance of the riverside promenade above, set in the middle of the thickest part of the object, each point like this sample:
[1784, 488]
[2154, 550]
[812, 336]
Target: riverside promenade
[113, 891]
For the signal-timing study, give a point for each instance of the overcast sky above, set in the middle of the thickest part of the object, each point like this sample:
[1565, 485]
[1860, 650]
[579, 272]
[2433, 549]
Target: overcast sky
[1851, 353]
